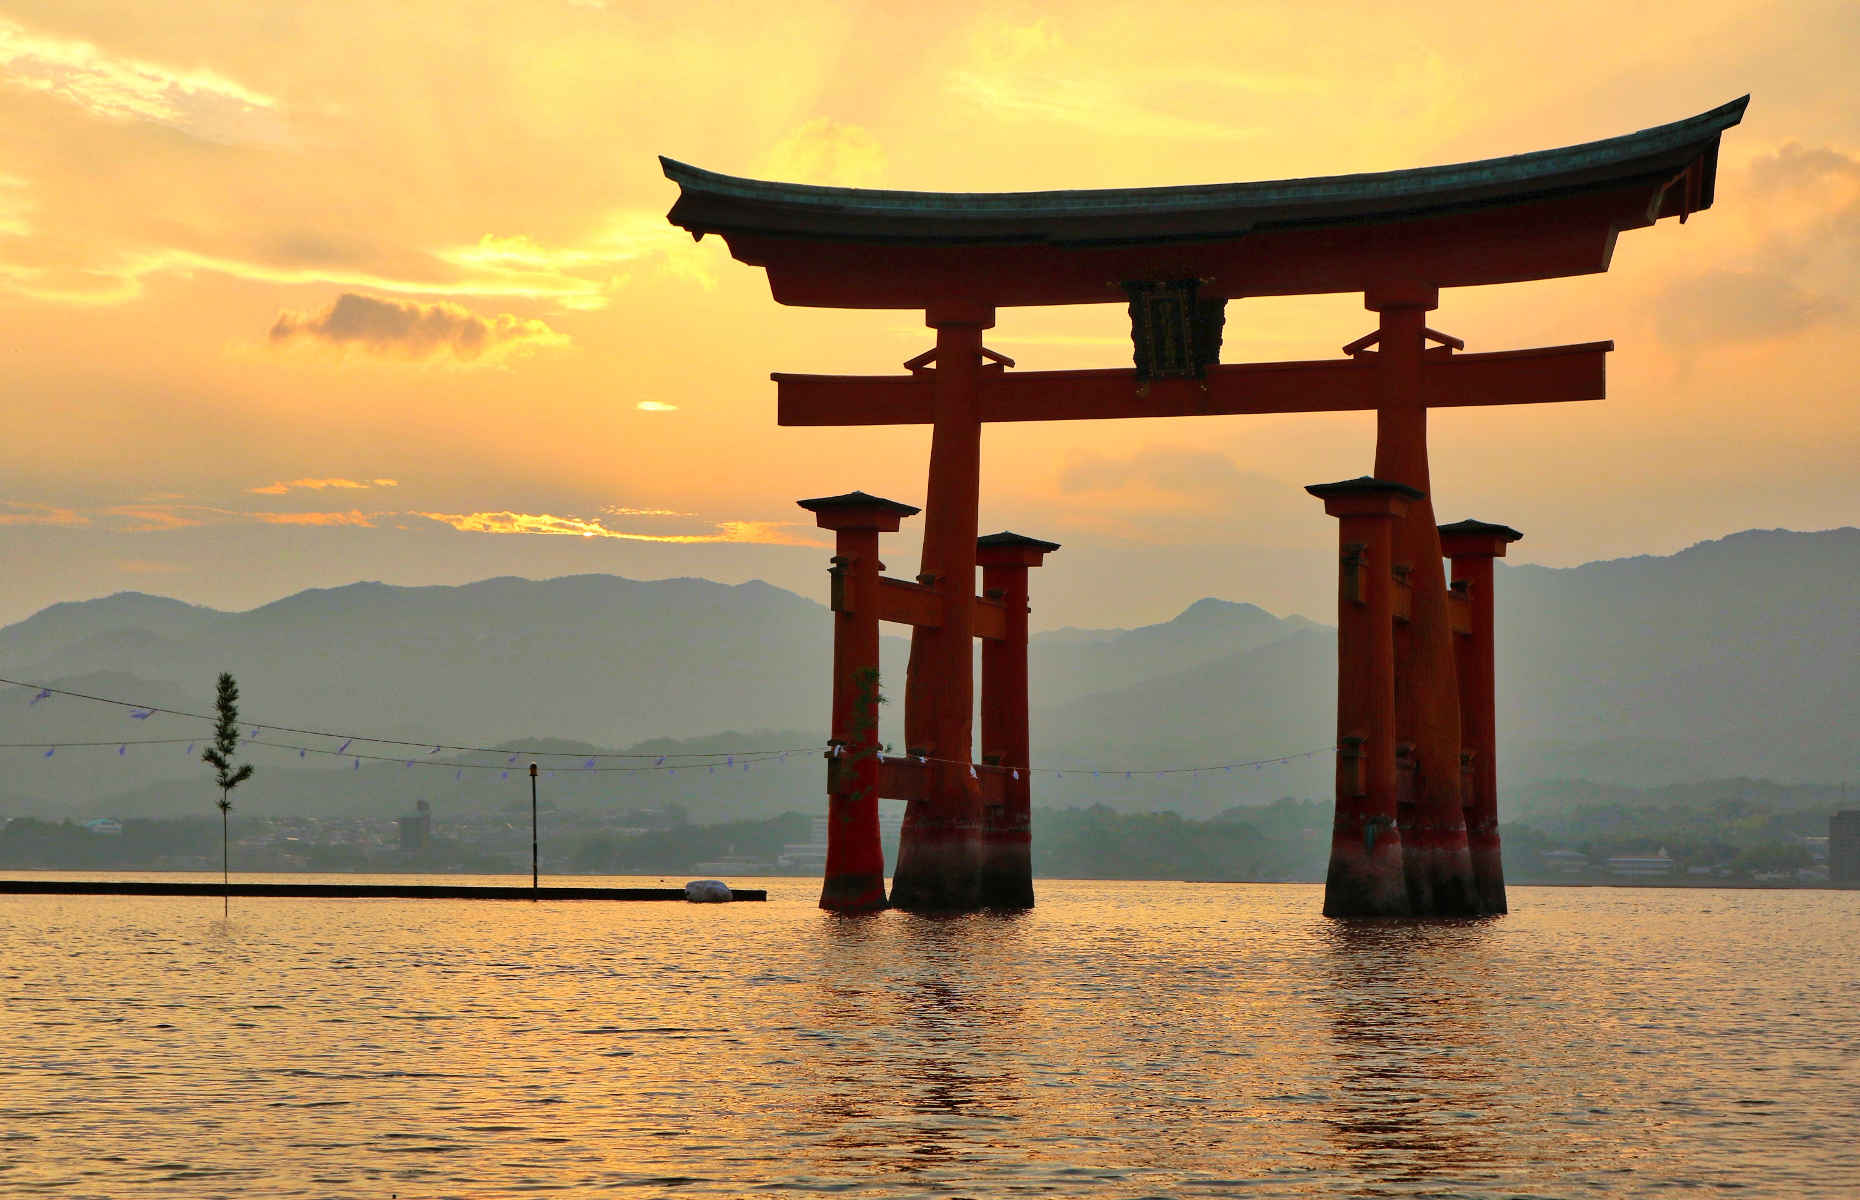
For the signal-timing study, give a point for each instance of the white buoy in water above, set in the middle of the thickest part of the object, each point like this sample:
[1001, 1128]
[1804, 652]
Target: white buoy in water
[707, 891]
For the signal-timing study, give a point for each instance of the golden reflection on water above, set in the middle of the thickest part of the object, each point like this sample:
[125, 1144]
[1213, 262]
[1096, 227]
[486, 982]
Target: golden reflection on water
[1415, 1088]
[1120, 1040]
[939, 1037]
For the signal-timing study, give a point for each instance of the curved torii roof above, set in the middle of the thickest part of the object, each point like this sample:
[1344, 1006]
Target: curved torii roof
[1527, 216]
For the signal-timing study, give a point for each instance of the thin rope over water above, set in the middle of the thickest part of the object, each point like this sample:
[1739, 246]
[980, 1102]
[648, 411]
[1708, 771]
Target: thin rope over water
[598, 762]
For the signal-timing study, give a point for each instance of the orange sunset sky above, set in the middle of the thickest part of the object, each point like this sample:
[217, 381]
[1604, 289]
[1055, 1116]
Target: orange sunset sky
[299, 294]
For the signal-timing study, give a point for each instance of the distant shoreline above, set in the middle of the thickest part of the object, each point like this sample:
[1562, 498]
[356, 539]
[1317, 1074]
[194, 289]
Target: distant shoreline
[347, 891]
[561, 889]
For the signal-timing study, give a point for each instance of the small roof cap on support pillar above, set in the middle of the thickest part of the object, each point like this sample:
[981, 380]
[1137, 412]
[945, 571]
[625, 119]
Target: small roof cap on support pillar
[1475, 538]
[1364, 484]
[1011, 550]
[1365, 496]
[858, 510]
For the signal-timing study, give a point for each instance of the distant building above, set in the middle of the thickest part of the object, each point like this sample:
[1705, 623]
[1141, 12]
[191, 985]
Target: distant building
[416, 831]
[104, 827]
[1844, 847]
[643, 819]
[735, 864]
[1641, 864]
[811, 856]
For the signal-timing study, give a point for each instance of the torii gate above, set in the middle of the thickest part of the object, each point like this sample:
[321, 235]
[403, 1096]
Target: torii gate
[1415, 723]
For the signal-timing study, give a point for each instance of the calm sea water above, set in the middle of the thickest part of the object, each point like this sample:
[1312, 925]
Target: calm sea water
[1121, 1040]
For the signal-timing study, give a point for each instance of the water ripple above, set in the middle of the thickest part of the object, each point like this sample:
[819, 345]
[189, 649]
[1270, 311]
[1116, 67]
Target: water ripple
[1120, 1041]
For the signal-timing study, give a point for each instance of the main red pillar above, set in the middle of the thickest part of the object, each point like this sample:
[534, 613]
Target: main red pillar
[855, 872]
[939, 849]
[1367, 875]
[1439, 866]
[1472, 545]
[1007, 828]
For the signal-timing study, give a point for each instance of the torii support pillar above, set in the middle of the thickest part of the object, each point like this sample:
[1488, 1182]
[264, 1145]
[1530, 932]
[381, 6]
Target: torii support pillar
[1472, 545]
[1007, 827]
[940, 847]
[855, 871]
[1427, 701]
[1367, 876]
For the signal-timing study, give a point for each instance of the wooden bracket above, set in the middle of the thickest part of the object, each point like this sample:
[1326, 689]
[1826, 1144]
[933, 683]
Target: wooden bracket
[920, 365]
[1374, 336]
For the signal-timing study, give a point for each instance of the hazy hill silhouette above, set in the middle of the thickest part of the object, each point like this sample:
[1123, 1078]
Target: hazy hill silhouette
[1068, 663]
[1734, 657]
[605, 661]
[1739, 656]
[102, 630]
[592, 657]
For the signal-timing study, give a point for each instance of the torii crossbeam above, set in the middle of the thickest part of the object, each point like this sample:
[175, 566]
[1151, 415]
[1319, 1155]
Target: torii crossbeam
[1414, 721]
[1554, 374]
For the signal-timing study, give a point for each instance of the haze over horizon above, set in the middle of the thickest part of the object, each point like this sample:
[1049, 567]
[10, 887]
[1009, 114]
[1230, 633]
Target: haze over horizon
[1638, 672]
[389, 294]
[1320, 605]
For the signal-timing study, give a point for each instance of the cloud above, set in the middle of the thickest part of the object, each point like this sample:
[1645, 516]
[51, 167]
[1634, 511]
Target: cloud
[141, 517]
[830, 152]
[22, 512]
[158, 518]
[14, 207]
[1794, 165]
[146, 517]
[1172, 495]
[352, 518]
[315, 242]
[317, 485]
[766, 533]
[120, 278]
[1087, 104]
[1722, 307]
[1794, 267]
[408, 330]
[198, 102]
[581, 276]
[620, 510]
[1027, 72]
[655, 406]
[1174, 471]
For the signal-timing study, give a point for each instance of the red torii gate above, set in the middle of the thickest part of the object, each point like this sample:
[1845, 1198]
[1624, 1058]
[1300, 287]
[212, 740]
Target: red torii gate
[1415, 723]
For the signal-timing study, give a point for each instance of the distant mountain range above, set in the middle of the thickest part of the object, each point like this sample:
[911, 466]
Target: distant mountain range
[1736, 657]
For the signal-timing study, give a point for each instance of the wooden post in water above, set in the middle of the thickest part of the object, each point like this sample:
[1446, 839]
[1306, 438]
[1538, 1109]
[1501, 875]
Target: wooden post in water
[855, 871]
[1007, 828]
[1367, 875]
[939, 850]
[1427, 698]
[1472, 545]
